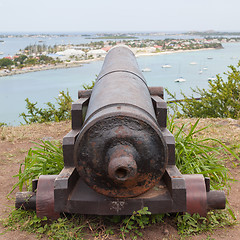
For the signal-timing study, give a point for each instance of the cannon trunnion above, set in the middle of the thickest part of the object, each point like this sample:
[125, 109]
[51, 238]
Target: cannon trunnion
[119, 156]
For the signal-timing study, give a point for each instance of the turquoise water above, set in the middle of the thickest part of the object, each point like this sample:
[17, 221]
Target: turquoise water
[181, 67]
[44, 86]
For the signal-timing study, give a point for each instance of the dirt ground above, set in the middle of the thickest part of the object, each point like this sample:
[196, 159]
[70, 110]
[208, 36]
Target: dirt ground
[16, 141]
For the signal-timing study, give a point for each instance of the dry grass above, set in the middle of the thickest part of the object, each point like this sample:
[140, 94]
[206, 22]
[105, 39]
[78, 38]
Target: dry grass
[34, 132]
[226, 130]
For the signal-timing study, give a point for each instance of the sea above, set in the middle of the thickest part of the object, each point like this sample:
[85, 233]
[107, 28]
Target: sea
[196, 67]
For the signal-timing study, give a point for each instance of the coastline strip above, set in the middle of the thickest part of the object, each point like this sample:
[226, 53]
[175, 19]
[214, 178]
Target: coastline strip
[36, 68]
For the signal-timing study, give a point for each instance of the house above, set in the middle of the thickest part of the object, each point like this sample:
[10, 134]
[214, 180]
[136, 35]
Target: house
[71, 52]
[96, 53]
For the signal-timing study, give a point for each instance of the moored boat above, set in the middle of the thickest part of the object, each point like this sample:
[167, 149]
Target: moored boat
[146, 70]
[166, 66]
[181, 79]
[212, 79]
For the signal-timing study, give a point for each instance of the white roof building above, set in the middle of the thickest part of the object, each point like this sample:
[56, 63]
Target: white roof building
[71, 52]
[97, 53]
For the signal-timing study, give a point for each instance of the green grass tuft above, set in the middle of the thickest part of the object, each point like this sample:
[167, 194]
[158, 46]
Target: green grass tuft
[46, 158]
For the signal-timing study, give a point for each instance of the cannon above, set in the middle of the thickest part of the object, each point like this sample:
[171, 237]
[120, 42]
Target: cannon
[119, 156]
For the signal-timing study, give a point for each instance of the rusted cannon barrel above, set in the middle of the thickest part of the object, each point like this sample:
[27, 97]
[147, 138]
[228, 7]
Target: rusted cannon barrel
[120, 151]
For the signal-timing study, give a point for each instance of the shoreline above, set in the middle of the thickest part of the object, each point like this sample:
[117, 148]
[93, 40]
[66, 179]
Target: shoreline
[38, 68]
[172, 52]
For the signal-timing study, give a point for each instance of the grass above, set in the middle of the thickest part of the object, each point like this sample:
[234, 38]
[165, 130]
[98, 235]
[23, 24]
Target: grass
[46, 158]
[63, 228]
[194, 154]
[189, 225]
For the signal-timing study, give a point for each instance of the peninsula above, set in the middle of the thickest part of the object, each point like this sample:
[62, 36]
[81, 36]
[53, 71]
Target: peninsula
[40, 57]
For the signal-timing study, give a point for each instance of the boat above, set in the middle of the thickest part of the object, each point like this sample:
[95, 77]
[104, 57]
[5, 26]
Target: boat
[1, 53]
[205, 68]
[209, 57]
[192, 63]
[212, 79]
[166, 66]
[181, 79]
[200, 72]
[146, 70]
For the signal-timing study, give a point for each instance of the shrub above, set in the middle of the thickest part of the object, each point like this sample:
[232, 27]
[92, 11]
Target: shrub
[89, 86]
[51, 113]
[222, 99]
[196, 155]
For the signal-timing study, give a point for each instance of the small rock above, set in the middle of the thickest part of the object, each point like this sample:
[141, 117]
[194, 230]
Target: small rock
[47, 138]
[165, 232]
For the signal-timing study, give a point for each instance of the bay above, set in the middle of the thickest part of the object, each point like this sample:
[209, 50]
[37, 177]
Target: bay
[44, 86]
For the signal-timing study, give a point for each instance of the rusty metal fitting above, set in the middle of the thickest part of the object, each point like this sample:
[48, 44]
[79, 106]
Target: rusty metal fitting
[26, 200]
[45, 197]
[122, 166]
[216, 200]
[198, 197]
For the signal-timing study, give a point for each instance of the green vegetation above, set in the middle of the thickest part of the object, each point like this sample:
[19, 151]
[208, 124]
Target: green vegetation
[213, 33]
[189, 225]
[82, 227]
[2, 124]
[138, 220]
[222, 99]
[61, 229]
[194, 155]
[45, 158]
[51, 113]
[121, 36]
[89, 86]
[23, 60]
[5, 62]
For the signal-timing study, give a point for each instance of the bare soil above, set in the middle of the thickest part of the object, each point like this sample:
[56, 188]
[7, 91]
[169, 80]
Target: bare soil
[16, 141]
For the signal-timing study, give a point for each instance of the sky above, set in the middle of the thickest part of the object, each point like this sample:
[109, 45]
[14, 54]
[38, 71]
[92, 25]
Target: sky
[119, 16]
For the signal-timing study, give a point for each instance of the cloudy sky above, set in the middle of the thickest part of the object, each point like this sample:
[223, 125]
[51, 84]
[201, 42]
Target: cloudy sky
[121, 15]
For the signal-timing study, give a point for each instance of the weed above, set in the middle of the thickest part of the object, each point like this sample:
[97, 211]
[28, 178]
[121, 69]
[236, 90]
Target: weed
[46, 158]
[3, 133]
[193, 224]
[21, 150]
[195, 155]
[63, 228]
[89, 86]
[138, 220]
[2, 124]
[51, 113]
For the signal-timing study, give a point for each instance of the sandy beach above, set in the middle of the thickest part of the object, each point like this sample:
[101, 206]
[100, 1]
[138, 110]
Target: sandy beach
[36, 68]
[140, 54]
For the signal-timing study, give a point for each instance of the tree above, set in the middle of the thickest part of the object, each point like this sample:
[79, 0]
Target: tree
[20, 59]
[4, 62]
